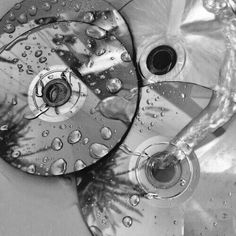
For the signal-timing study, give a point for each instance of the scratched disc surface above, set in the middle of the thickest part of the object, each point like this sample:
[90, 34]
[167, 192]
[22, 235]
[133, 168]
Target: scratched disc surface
[68, 85]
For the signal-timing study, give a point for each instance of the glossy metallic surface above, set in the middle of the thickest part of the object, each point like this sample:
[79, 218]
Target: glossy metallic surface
[63, 66]
[110, 201]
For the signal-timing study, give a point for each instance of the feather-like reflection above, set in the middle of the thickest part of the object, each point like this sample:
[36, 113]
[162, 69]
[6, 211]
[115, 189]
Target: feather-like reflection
[106, 188]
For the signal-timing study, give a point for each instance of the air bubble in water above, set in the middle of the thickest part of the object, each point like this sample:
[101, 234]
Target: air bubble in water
[127, 221]
[32, 10]
[38, 53]
[134, 200]
[9, 28]
[106, 133]
[74, 137]
[58, 167]
[125, 56]
[79, 165]
[95, 231]
[45, 133]
[31, 169]
[88, 17]
[114, 85]
[42, 59]
[57, 144]
[22, 18]
[98, 150]
[95, 32]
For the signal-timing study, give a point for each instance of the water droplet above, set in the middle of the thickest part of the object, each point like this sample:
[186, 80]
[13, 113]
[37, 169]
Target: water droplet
[14, 101]
[97, 150]
[95, 231]
[74, 137]
[31, 169]
[162, 114]
[4, 128]
[46, 6]
[114, 85]
[88, 17]
[85, 141]
[22, 18]
[58, 167]
[182, 182]
[106, 133]
[12, 16]
[117, 108]
[79, 165]
[29, 71]
[97, 91]
[45, 133]
[95, 32]
[45, 159]
[125, 56]
[77, 7]
[15, 154]
[127, 221]
[42, 59]
[101, 52]
[57, 144]
[63, 126]
[183, 95]
[32, 10]
[9, 28]
[27, 48]
[38, 53]
[24, 54]
[134, 200]
[17, 6]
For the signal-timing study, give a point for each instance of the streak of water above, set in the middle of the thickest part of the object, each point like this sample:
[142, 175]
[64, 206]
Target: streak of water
[222, 104]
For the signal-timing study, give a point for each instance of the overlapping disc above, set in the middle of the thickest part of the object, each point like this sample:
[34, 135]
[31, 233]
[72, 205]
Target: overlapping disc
[69, 87]
[174, 41]
[119, 196]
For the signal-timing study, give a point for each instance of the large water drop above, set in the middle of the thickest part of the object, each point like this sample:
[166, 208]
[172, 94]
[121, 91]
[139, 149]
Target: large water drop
[114, 85]
[57, 144]
[79, 165]
[74, 137]
[127, 221]
[31, 169]
[95, 32]
[32, 10]
[9, 28]
[58, 167]
[106, 133]
[98, 150]
[134, 200]
[95, 231]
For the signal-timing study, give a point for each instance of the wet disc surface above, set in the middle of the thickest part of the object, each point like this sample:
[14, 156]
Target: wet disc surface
[49, 127]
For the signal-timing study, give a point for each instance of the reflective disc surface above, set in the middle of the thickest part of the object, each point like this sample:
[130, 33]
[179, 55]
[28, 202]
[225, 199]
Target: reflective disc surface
[69, 88]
